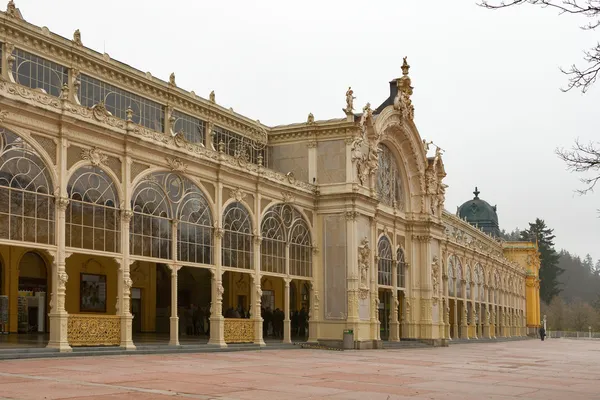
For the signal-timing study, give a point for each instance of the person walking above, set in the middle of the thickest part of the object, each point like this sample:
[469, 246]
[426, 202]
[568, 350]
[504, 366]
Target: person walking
[542, 333]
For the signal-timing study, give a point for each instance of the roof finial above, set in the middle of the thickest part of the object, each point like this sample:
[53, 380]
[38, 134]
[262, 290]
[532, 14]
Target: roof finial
[405, 67]
[476, 193]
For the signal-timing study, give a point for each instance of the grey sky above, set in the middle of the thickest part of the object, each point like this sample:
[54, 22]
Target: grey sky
[486, 83]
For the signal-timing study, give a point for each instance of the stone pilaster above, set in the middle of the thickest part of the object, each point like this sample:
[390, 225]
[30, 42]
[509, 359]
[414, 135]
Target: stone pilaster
[58, 314]
[473, 321]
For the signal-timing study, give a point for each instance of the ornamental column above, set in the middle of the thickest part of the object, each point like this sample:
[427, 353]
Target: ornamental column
[464, 323]
[58, 314]
[124, 284]
[456, 322]
[256, 294]
[394, 324]
[217, 321]
[486, 327]
[174, 320]
[474, 312]
[446, 304]
[287, 331]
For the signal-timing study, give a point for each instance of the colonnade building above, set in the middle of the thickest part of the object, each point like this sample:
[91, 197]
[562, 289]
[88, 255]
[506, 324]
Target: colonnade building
[128, 203]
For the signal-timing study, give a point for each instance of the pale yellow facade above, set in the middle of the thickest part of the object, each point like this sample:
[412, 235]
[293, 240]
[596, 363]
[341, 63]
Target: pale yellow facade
[177, 200]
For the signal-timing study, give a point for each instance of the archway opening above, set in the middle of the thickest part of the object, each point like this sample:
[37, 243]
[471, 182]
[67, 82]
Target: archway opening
[33, 288]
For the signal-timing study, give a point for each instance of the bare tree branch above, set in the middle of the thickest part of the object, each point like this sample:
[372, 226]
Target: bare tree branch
[583, 158]
[579, 78]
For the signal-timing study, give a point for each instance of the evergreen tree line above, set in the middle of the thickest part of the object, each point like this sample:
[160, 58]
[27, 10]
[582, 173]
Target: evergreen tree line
[569, 287]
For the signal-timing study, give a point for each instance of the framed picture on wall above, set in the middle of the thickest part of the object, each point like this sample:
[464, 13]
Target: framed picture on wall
[92, 293]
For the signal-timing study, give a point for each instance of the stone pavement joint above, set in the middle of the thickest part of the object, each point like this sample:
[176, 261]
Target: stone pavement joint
[530, 370]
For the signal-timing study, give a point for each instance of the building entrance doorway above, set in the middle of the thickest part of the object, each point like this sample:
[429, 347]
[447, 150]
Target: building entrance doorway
[385, 297]
[32, 300]
[136, 309]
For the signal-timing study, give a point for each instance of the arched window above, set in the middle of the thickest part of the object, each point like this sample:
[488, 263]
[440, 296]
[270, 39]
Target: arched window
[92, 216]
[300, 250]
[480, 283]
[496, 288]
[156, 200]
[384, 265]
[195, 227]
[401, 268]
[26, 201]
[237, 240]
[152, 213]
[451, 277]
[283, 225]
[389, 183]
[272, 249]
[459, 286]
[468, 281]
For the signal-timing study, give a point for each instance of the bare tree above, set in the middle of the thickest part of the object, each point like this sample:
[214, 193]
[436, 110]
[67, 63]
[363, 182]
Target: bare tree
[580, 78]
[583, 158]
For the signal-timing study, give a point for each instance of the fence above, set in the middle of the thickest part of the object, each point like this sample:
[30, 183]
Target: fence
[572, 335]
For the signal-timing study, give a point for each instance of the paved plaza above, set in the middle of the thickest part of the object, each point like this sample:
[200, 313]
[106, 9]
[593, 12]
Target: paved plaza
[531, 369]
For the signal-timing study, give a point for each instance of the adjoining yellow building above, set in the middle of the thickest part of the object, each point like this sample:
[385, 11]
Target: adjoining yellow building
[130, 205]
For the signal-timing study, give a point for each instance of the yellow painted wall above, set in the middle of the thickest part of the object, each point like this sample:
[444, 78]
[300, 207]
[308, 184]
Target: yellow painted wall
[10, 257]
[81, 263]
[527, 256]
[143, 275]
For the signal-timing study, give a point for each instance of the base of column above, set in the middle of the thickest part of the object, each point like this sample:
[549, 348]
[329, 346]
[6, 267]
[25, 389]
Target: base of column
[394, 332]
[487, 332]
[174, 332]
[258, 332]
[312, 331]
[217, 332]
[59, 336]
[126, 335]
[287, 331]
[464, 332]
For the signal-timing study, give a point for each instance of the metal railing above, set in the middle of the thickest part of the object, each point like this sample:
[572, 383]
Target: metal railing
[572, 334]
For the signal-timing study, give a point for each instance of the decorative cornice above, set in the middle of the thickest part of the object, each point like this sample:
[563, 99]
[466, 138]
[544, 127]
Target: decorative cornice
[288, 197]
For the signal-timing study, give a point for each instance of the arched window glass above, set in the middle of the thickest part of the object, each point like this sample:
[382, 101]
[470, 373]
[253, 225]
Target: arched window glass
[401, 268]
[451, 277]
[92, 216]
[272, 248]
[26, 201]
[468, 281]
[389, 183]
[195, 227]
[459, 286]
[496, 288]
[150, 227]
[237, 240]
[283, 225]
[384, 265]
[482, 294]
[300, 250]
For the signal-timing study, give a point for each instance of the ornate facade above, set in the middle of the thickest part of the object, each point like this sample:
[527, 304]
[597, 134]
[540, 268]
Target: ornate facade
[126, 187]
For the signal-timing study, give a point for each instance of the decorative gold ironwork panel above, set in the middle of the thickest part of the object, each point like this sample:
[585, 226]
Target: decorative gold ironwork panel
[94, 330]
[239, 330]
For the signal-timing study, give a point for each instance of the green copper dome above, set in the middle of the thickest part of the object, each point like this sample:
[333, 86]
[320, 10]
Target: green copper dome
[481, 214]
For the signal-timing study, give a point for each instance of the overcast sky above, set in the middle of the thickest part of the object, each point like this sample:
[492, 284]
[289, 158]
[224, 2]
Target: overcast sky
[486, 82]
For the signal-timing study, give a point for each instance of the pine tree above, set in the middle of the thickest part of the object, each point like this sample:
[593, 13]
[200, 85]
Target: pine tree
[588, 263]
[597, 268]
[549, 269]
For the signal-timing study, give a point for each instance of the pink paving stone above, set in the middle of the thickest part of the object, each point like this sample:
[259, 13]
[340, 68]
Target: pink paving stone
[555, 369]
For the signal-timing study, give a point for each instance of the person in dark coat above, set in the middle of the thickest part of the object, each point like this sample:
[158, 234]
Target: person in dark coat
[542, 333]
